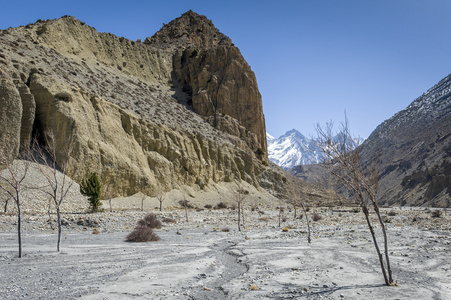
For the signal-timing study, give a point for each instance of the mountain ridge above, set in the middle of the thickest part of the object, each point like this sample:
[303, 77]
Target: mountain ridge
[122, 101]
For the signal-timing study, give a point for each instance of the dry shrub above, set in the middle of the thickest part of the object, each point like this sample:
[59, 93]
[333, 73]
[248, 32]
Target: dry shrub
[265, 219]
[436, 214]
[285, 229]
[208, 206]
[151, 221]
[316, 217]
[142, 233]
[185, 203]
[225, 229]
[169, 220]
[392, 213]
[221, 205]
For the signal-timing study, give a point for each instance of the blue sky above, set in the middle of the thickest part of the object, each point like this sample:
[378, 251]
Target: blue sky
[313, 59]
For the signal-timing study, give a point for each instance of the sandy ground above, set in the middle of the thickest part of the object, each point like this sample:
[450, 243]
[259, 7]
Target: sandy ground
[204, 262]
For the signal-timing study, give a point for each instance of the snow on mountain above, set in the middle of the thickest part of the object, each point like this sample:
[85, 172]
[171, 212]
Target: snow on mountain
[291, 149]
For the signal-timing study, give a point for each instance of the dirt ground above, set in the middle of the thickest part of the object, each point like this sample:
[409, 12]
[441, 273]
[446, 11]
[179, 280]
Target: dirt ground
[208, 258]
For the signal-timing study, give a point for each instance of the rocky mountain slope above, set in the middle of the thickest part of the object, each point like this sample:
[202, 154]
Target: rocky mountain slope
[415, 150]
[291, 149]
[182, 108]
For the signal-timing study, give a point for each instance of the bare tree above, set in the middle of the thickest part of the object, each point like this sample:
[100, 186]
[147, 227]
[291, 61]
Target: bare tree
[161, 198]
[342, 159]
[300, 199]
[57, 186]
[143, 197]
[239, 196]
[108, 188]
[185, 204]
[12, 179]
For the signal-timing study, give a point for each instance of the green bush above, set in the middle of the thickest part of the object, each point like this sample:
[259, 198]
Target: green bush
[91, 187]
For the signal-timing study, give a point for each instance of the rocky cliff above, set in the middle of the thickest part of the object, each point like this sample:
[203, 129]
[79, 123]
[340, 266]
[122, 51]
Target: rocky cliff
[217, 80]
[136, 109]
[414, 150]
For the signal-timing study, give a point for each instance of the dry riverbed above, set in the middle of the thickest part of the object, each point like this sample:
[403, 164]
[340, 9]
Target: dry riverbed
[208, 258]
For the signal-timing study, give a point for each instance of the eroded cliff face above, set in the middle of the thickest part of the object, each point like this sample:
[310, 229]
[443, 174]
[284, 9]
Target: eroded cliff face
[131, 153]
[214, 74]
[122, 102]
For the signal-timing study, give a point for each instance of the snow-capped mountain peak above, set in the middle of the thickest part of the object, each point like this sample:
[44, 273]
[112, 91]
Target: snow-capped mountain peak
[291, 149]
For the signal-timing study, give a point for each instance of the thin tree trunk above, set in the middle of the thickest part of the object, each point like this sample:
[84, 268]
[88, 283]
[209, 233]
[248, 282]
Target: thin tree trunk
[58, 213]
[294, 211]
[280, 215]
[19, 229]
[308, 223]
[6, 205]
[384, 232]
[239, 214]
[161, 205]
[379, 254]
[50, 216]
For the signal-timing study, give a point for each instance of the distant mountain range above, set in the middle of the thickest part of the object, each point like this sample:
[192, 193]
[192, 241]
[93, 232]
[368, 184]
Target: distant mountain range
[293, 149]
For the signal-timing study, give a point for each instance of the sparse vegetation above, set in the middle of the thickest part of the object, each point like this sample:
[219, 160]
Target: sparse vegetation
[150, 220]
[141, 234]
[57, 189]
[316, 217]
[391, 213]
[161, 198]
[169, 220]
[221, 205]
[91, 187]
[208, 206]
[436, 214]
[342, 159]
[12, 180]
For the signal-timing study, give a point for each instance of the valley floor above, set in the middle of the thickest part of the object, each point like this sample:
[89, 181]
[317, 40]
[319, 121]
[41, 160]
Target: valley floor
[205, 262]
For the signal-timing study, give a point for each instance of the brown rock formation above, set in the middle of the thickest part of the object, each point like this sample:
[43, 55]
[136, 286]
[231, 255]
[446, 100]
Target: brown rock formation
[121, 101]
[10, 115]
[214, 74]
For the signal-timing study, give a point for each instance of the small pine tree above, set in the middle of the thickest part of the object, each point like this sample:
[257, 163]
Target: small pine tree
[91, 187]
